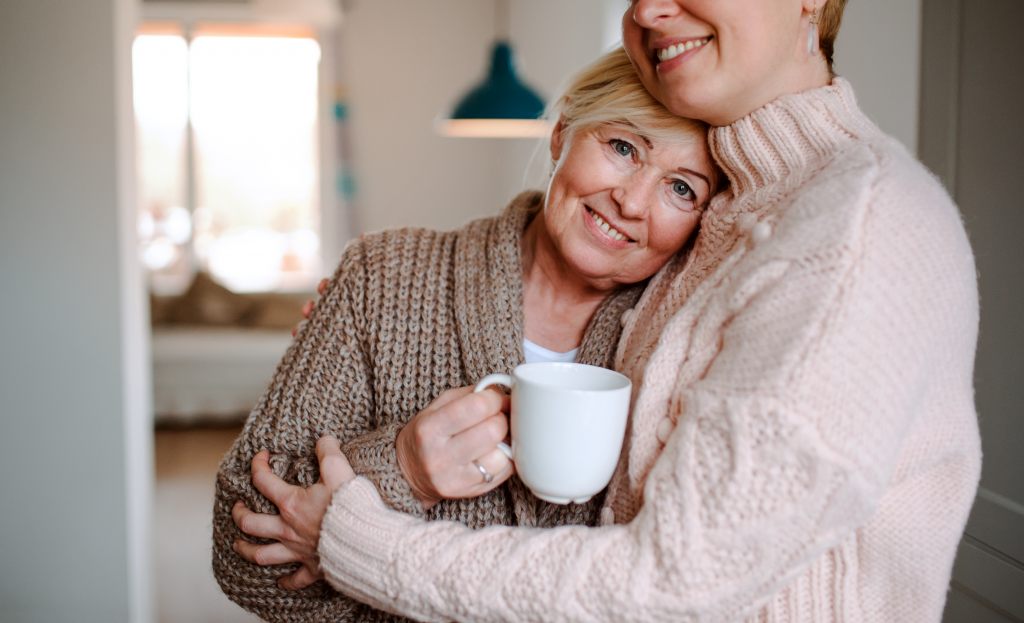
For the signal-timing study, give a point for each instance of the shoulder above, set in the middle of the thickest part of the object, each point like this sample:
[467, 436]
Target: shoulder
[871, 194]
[875, 224]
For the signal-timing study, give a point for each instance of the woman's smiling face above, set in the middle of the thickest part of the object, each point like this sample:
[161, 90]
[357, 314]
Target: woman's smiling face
[718, 60]
[619, 204]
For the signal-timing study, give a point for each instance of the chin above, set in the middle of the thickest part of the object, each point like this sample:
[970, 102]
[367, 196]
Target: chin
[589, 263]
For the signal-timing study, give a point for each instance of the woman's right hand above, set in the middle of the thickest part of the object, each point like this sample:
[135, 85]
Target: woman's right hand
[442, 449]
[307, 307]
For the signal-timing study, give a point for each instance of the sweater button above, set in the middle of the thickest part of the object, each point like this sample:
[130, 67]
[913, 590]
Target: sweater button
[626, 315]
[665, 428]
[746, 222]
[607, 516]
[761, 232]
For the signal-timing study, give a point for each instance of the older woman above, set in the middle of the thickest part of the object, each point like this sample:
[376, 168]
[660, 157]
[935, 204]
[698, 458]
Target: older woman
[803, 445]
[412, 313]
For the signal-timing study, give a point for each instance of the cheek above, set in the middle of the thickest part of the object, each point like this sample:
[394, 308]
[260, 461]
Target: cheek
[557, 209]
[671, 233]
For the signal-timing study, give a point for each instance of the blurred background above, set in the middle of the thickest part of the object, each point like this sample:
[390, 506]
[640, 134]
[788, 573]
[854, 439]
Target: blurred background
[176, 176]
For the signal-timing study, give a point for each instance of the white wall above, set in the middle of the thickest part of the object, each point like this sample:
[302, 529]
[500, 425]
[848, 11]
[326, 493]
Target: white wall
[879, 52]
[71, 361]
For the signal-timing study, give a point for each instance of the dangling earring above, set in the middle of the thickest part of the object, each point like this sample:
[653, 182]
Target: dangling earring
[812, 34]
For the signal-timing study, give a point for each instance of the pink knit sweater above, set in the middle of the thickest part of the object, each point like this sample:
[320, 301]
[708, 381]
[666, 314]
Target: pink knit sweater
[803, 445]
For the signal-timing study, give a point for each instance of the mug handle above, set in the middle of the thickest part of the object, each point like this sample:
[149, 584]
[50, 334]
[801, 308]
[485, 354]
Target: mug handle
[497, 379]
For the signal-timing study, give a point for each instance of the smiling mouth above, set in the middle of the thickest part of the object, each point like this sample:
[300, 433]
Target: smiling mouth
[672, 51]
[606, 227]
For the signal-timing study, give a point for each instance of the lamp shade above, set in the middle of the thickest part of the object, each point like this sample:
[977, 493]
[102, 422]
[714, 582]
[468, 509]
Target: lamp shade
[501, 106]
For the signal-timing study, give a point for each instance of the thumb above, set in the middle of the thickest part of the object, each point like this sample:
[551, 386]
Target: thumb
[334, 467]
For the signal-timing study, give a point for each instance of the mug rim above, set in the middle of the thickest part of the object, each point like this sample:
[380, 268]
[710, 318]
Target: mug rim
[622, 381]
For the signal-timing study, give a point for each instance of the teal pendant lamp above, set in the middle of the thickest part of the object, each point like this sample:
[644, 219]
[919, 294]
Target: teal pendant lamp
[501, 106]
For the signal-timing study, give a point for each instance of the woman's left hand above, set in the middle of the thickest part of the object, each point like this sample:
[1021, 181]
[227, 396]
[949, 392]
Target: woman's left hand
[296, 529]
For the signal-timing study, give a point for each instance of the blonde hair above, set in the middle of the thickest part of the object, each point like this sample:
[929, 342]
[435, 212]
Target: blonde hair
[609, 91]
[828, 27]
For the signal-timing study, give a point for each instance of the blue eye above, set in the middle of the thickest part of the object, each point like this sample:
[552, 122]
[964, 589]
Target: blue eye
[622, 148]
[683, 189]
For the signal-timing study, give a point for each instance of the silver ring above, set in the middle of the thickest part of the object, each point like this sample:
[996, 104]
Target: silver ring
[488, 476]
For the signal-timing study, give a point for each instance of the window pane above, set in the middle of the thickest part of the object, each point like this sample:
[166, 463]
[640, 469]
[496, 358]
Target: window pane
[254, 118]
[160, 93]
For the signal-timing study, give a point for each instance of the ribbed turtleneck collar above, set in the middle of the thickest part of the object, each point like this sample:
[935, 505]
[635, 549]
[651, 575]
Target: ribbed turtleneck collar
[788, 136]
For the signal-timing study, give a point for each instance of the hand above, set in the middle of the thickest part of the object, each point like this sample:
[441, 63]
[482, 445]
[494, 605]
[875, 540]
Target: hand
[440, 448]
[297, 529]
[307, 307]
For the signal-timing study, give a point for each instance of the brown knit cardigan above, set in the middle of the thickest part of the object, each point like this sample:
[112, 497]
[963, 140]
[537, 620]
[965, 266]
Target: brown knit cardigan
[409, 313]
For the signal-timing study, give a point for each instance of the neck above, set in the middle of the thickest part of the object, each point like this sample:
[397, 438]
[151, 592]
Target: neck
[811, 72]
[557, 301]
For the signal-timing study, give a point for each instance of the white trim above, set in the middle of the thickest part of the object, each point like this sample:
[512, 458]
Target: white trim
[334, 230]
[135, 360]
[1000, 500]
[998, 521]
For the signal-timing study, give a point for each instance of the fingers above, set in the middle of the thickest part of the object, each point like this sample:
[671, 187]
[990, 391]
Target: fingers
[334, 467]
[448, 396]
[307, 307]
[264, 555]
[497, 465]
[466, 411]
[298, 580]
[478, 476]
[258, 524]
[480, 439]
[267, 482]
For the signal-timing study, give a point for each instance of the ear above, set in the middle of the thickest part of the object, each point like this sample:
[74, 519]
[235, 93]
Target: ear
[810, 6]
[558, 139]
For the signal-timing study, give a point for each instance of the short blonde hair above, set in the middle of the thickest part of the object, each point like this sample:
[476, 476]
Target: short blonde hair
[609, 91]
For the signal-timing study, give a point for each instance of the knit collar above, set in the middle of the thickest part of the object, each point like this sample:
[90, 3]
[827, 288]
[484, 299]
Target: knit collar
[788, 137]
[489, 288]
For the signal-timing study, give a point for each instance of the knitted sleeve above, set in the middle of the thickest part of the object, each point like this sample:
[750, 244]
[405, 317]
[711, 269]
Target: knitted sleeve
[322, 385]
[374, 455]
[780, 452]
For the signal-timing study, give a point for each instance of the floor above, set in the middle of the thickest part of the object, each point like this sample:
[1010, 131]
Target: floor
[186, 463]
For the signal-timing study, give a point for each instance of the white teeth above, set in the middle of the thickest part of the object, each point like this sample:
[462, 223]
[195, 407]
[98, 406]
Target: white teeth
[606, 228]
[673, 51]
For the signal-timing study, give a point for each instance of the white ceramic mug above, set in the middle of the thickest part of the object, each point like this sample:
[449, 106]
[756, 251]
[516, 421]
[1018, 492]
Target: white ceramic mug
[568, 421]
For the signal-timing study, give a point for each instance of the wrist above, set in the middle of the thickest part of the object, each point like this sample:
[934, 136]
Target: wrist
[420, 490]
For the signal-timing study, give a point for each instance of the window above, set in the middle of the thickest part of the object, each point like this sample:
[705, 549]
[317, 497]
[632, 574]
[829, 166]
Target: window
[227, 127]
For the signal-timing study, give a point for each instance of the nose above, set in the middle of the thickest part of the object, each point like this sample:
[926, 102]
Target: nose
[633, 197]
[648, 13]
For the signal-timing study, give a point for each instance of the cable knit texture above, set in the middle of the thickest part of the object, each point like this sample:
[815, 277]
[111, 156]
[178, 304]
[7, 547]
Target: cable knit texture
[803, 445]
[409, 314]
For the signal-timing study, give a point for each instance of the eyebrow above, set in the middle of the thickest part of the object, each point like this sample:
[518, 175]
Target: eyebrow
[697, 173]
[650, 145]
